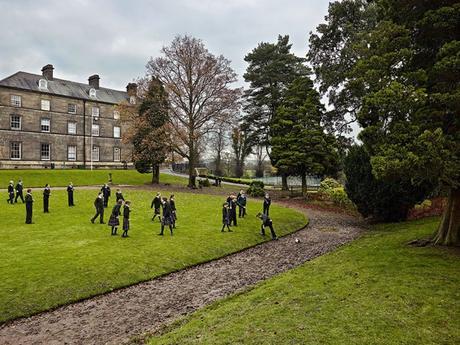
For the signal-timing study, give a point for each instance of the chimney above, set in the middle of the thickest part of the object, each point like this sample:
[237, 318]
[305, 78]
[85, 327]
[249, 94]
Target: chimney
[47, 72]
[131, 89]
[93, 81]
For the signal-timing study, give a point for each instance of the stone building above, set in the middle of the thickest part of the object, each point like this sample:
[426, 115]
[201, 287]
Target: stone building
[50, 122]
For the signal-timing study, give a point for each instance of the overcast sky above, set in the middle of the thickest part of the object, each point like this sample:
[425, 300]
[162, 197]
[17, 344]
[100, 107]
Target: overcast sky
[115, 39]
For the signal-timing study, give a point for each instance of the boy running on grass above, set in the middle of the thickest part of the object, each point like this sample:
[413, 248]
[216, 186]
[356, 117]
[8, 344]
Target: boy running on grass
[266, 221]
[225, 217]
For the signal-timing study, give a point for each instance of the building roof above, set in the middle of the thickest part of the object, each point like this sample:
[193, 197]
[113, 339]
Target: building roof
[61, 87]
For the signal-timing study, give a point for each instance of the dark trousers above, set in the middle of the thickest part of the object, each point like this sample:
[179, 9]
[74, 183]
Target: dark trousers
[233, 216]
[163, 229]
[241, 211]
[100, 214]
[46, 202]
[266, 209]
[28, 214]
[270, 225]
[70, 199]
[18, 195]
[10, 198]
[106, 201]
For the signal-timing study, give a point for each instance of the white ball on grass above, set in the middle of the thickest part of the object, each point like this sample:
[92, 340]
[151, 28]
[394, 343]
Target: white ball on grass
[297, 240]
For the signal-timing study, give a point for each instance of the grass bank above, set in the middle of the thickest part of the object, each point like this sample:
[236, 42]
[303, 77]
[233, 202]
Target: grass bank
[376, 290]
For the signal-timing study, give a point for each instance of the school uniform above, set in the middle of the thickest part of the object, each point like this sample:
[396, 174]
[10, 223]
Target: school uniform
[241, 205]
[99, 205]
[172, 203]
[126, 212]
[266, 221]
[114, 222]
[46, 198]
[29, 205]
[167, 218]
[119, 196]
[156, 204]
[19, 192]
[106, 194]
[233, 204]
[70, 195]
[10, 194]
[267, 203]
[225, 218]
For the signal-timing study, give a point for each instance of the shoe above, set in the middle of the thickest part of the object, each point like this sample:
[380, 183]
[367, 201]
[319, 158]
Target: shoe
[92, 221]
[160, 234]
[230, 230]
[102, 222]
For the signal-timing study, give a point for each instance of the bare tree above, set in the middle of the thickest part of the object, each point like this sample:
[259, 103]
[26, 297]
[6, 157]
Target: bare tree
[242, 143]
[198, 85]
[219, 141]
[261, 155]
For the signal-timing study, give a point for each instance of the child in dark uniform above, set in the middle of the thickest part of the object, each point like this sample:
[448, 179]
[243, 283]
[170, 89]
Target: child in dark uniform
[46, 198]
[167, 215]
[126, 212]
[267, 203]
[114, 222]
[225, 217]
[157, 203]
[99, 205]
[172, 203]
[29, 204]
[70, 194]
[10, 193]
[119, 195]
[266, 221]
[19, 188]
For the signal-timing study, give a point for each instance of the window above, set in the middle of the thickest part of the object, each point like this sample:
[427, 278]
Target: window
[116, 132]
[16, 101]
[95, 153]
[45, 152]
[132, 100]
[92, 93]
[15, 122]
[43, 84]
[71, 127]
[15, 150]
[116, 154]
[95, 130]
[72, 108]
[71, 153]
[116, 114]
[95, 111]
[45, 125]
[45, 104]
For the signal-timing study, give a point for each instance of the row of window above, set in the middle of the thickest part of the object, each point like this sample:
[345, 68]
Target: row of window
[45, 104]
[45, 126]
[45, 152]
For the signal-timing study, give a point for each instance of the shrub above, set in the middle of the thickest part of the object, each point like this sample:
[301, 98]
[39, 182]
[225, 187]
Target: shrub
[258, 184]
[384, 200]
[327, 184]
[339, 197]
[204, 183]
[256, 188]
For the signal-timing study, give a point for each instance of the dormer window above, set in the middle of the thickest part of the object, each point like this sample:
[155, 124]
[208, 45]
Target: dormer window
[132, 100]
[92, 93]
[43, 84]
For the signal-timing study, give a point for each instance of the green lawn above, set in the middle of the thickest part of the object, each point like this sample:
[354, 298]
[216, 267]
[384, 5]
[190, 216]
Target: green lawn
[376, 290]
[38, 178]
[63, 257]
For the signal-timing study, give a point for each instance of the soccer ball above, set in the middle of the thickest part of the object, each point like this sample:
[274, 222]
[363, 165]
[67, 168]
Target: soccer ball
[297, 240]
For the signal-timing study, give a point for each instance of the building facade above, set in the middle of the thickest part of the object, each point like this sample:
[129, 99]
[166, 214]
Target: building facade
[50, 122]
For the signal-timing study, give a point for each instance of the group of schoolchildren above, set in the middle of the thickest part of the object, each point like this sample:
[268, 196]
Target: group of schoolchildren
[122, 206]
[240, 201]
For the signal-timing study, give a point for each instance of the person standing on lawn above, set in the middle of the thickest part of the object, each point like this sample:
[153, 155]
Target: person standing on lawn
[233, 203]
[266, 221]
[106, 193]
[119, 195]
[267, 203]
[29, 200]
[167, 217]
[126, 212]
[241, 200]
[225, 217]
[114, 221]
[70, 194]
[19, 191]
[156, 204]
[99, 205]
[46, 198]
[10, 199]
[172, 203]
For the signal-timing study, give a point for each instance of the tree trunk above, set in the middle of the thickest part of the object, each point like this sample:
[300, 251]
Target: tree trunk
[304, 183]
[156, 174]
[284, 183]
[218, 171]
[191, 168]
[239, 168]
[448, 233]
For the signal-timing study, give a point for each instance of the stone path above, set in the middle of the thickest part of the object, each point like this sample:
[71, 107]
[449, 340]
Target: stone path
[116, 317]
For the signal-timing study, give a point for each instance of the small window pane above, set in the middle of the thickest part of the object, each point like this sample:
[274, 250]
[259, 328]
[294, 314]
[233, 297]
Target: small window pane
[116, 114]
[71, 153]
[43, 84]
[95, 130]
[92, 93]
[15, 150]
[132, 99]
[45, 152]
[15, 122]
[45, 125]
[16, 101]
[95, 153]
[72, 108]
[116, 132]
[45, 104]
[95, 111]
[72, 127]
[116, 154]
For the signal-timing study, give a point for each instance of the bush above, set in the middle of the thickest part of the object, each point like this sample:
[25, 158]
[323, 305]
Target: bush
[143, 167]
[258, 184]
[256, 188]
[327, 184]
[204, 183]
[385, 201]
[339, 197]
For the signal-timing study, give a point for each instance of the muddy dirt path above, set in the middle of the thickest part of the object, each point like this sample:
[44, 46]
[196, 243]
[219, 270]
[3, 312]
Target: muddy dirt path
[116, 317]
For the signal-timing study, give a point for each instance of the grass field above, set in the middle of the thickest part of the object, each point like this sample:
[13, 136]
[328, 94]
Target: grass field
[376, 290]
[38, 178]
[62, 257]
